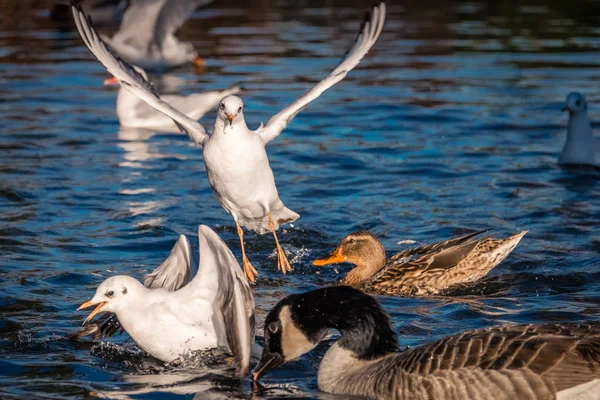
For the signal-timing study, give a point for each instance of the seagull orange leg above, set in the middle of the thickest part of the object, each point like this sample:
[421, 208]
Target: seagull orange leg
[282, 262]
[248, 268]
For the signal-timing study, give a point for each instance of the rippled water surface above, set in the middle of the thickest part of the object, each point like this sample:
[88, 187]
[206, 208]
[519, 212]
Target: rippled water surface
[452, 123]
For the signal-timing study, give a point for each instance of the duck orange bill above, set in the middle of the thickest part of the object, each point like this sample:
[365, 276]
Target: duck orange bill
[96, 310]
[334, 257]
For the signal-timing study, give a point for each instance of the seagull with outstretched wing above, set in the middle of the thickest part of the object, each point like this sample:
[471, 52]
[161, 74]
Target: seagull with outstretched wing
[146, 37]
[171, 314]
[236, 159]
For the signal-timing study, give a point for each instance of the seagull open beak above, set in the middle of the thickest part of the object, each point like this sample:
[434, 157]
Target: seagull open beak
[111, 81]
[95, 312]
[267, 361]
[230, 117]
[335, 257]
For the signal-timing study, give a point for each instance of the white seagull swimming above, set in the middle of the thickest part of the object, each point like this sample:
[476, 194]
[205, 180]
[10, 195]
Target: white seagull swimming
[170, 315]
[146, 37]
[134, 112]
[580, 147]
[236, 160]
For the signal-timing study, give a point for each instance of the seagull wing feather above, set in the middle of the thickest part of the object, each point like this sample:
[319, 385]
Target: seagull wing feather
[174, 272]
[138, 24]
[368, 34]
[172, 16]
[132, 80]
[233, 298]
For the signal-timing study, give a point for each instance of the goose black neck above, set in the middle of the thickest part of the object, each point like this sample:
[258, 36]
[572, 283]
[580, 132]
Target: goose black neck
[364, 325]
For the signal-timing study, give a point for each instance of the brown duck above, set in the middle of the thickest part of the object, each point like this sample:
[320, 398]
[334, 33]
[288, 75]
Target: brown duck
[419, 271]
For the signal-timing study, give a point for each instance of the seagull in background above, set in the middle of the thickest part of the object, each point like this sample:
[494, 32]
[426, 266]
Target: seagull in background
[235, 157]
[103, 12]
[146, 37]
[134, 112]
[580, 147]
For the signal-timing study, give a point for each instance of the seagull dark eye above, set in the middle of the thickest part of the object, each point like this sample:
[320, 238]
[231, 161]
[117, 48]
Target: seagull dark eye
[351, 241]
[222, 106]
[578, 102]
[240, 110]
[273, 327]
[110, 293]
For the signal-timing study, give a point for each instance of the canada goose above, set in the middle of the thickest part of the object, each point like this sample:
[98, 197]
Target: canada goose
[503, 362]
[422, 270]
[580, 147]
[214, 309]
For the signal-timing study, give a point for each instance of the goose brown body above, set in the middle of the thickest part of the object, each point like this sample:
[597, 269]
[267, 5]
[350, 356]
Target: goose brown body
[507, 362]
[512, 362]
[424, 270]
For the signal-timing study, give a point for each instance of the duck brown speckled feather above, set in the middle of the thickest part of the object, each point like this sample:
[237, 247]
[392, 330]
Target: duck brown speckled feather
[508, 362]
[433, 248]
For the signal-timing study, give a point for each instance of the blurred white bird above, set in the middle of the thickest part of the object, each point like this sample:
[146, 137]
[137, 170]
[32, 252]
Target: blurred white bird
[235, 156]
[102, 12]
[134, 112]
[170, 315]
[146, 37]
[580, 148]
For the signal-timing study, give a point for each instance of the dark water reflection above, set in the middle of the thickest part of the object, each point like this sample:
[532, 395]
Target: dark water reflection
[452, 123]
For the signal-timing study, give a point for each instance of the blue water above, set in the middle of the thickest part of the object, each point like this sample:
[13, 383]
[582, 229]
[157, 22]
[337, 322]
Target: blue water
[452, 123]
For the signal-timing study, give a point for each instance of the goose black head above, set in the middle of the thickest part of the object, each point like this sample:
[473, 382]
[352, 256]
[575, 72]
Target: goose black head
[299, 322]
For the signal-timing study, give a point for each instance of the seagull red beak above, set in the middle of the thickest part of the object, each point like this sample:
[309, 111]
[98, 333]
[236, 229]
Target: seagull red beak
[230, 117]
[95, 312]
[199, 62]
[111, 81]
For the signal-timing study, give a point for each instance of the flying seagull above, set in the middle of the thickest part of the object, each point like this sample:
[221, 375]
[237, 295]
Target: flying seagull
[236, 160]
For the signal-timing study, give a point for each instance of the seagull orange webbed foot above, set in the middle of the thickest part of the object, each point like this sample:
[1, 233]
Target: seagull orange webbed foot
[249, 270]
[282, 262]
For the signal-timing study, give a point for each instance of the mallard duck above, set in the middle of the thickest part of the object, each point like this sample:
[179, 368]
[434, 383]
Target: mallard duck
[504, 362]
[418, 271]
[174, 315]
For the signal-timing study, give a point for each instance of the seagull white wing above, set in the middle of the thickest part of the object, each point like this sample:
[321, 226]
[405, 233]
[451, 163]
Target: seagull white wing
[139, 22]
[220, 273]
[367, 36]
[173, 274]
[132, 80]
[172, 15]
